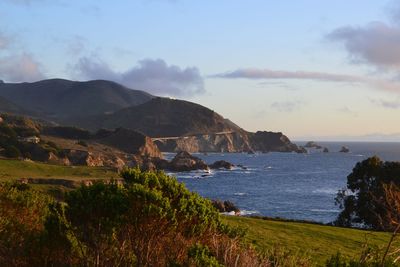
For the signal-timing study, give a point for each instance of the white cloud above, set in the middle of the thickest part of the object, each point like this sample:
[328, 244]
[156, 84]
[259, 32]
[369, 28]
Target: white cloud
[153, 76]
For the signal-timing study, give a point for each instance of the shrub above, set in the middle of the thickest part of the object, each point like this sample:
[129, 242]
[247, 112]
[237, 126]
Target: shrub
[12, 152]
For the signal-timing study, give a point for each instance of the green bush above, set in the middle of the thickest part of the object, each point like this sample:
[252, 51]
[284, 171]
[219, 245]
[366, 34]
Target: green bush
[12, 152]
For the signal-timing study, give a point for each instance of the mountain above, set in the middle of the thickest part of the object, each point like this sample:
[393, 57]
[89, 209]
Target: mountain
[162, 117]
[8, 106]
[174, 125]
[57, 98]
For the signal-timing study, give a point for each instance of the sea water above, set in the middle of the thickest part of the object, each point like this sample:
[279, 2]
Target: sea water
[285, 185]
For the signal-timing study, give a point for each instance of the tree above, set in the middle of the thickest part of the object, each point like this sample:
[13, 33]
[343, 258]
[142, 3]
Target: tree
[362, 203]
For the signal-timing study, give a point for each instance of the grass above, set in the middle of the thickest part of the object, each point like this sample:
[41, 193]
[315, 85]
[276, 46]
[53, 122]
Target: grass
[318, 242]
[15, 169]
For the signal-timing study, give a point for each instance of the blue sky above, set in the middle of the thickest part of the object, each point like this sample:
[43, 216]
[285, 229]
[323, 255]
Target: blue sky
[311, 69]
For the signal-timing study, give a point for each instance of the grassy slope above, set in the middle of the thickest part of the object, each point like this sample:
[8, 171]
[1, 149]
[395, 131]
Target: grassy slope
[14, 169]
[316, 241]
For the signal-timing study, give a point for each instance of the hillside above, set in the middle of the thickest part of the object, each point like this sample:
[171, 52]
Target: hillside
[318, 242]
[162, 117]
[58, 98]
[8, 106]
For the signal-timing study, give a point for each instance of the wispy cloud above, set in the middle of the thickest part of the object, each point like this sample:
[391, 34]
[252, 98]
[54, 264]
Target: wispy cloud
[16, 65]
[287, 106]
[20, 68]
[151, 75]
[267, 74]
[389, 104]
[347, 110]
[254, 73]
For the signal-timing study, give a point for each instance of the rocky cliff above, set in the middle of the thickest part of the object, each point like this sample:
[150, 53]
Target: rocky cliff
[219, 142]
[229, 142]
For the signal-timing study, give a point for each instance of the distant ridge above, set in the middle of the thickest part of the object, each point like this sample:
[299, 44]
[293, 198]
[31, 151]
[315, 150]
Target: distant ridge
[162, 117]
[59, 98]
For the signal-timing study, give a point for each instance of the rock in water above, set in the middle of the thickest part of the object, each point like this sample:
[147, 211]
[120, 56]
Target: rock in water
[222, 164]
[184, 161]
[326, 150]
[225, 206]
[344, 149]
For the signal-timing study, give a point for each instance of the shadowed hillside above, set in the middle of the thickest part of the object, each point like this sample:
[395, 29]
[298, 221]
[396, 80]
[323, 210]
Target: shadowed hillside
[162, 117]
[58, 98]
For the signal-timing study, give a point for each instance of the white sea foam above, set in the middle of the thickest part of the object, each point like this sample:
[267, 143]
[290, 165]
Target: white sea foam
[248, 212]
[328, 191]
[240, 194]
[325, 211]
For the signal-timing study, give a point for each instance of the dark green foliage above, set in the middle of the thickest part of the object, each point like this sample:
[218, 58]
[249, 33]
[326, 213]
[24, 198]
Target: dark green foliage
[362, 202]
[12, 152]
[68, 132]
[368, 259]
[82, 143]
[202, 256]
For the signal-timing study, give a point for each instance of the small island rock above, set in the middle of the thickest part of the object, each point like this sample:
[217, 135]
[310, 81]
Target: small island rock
[344, 149]
[221, 164]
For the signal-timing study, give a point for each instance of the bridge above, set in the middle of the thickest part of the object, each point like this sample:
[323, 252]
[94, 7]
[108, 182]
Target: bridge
[187, 136]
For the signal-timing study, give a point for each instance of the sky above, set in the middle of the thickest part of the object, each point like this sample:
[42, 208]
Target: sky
[322, 70]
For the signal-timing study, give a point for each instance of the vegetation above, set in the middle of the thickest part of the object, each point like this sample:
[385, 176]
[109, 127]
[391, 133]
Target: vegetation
[152, 220]
[364, 202]
[313, 241]
[14, 169]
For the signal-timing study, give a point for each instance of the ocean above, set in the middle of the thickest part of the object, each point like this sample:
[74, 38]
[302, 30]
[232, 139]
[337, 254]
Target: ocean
[285, 185]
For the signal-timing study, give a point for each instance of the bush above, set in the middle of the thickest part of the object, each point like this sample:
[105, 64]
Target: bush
[12, 152]
[151, 220]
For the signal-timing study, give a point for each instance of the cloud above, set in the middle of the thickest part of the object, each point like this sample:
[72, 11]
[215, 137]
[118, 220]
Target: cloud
[153, 76]
[4, 41]
[20, 68]
[266, 74]
[287, 106]
[347, 110]
[76, 45]
[278, 74]
[377, 44]
[389, 104]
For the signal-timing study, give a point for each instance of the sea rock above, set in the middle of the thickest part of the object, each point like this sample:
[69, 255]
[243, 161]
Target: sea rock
[325, 150]
[312, 144]
[221, 164]
[302, 150]
[225, 206]
[344, 149]
[184, 161]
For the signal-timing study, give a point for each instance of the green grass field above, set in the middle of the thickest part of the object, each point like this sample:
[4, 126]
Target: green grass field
[15, 169]
[318, 242]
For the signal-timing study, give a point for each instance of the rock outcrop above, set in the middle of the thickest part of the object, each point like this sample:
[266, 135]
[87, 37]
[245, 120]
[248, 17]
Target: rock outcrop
[240, 141]
[130, 142]
[225, 206]
[221, 164]
[344, 149]
[217, 142]
[272, 142]
[312, 144]
[183, 161]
